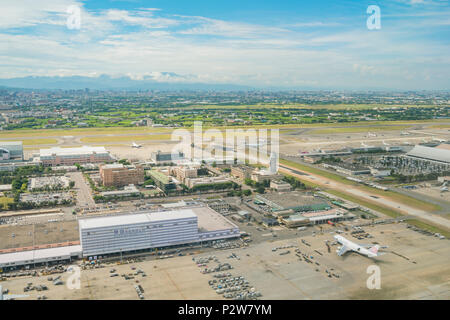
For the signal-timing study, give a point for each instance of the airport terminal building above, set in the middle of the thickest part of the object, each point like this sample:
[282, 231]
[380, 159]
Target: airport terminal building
[126, 233]
[69, 156]
[436, 155]
[132, 232]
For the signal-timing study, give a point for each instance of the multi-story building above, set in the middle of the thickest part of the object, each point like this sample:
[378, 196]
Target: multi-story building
[119, 175]
[242, 172]
[69, 156]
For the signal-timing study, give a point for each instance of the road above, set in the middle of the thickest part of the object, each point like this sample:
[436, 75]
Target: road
[84, 193]
[374, 198]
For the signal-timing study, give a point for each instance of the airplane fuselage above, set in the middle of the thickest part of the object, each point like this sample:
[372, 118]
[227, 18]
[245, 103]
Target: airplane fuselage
[351, 246]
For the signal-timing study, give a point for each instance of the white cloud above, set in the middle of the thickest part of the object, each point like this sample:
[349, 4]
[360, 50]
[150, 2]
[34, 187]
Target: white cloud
[208, 50]
[25, 13]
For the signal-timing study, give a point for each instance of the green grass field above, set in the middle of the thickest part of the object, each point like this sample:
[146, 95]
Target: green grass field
[126, 138]
[34, 142]
[360, 129]
[307, 106]
[22, 133]
[429, 227]
[5, 201]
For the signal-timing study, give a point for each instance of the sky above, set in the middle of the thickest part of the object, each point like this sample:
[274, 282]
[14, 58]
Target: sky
[260, 43]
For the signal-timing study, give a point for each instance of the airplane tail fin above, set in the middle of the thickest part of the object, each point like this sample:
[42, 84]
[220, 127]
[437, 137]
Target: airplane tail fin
[374, 249]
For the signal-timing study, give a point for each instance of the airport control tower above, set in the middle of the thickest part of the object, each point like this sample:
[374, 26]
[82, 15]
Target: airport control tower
[273, 163]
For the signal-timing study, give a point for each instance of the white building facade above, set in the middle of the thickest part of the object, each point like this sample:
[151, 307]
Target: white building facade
[132, 232]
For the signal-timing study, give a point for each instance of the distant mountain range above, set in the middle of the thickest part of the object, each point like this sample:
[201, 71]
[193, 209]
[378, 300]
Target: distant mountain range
[164, 81]
[105, 82]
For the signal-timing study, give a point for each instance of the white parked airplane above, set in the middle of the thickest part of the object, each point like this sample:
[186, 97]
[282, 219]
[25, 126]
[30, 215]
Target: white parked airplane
[261, 142]
[370, 134]
[135, 145]
[439, 139]
[385, 143]
[363, 144]
[367, 250]
[405, 133]
[10, 296]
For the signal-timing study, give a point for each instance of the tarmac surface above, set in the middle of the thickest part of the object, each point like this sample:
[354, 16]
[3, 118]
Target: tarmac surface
[414, 266]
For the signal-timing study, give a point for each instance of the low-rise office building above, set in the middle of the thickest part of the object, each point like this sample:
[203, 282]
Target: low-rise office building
[128, 191]
[162, 181]
[192, 182]
[280, 186]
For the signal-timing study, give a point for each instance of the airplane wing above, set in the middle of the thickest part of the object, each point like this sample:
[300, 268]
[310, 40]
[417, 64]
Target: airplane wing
[343, 250]
[371, 245]
[13, 296]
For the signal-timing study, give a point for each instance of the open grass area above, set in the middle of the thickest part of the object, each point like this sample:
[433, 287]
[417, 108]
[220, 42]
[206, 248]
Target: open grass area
[360, 129]
[5, 201]
[306, 106]
[429, 227]
[34, 142]
[126, 138]
[80, 132]
[422, 205]
[440, 126]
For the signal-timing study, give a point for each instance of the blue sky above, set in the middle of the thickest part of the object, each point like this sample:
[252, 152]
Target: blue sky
[283, 43]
